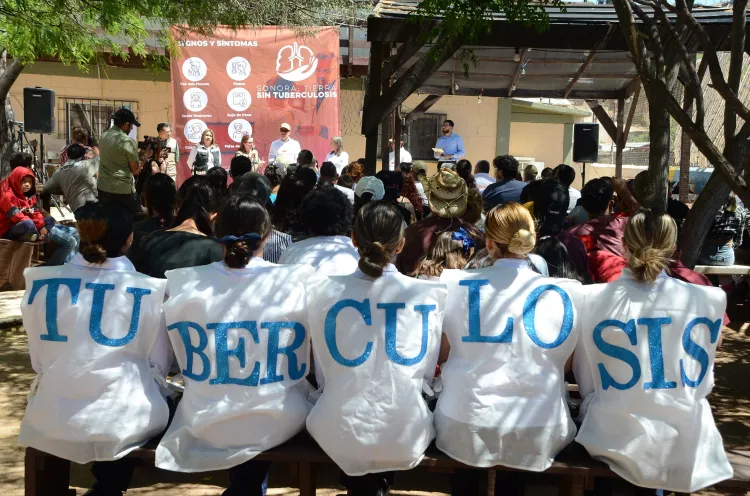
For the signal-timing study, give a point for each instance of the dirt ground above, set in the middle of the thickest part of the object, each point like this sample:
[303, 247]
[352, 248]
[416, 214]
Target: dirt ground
[730, 400]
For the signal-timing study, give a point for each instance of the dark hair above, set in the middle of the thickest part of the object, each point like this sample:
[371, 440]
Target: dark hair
[305, 157]
[199, 202]
[557, 258]
[596, 195]
[217, 179]
[79, 134]
[409, 191]
[76, 151]
[483, 166]
[104, 229]
[160, 127]
[463, 169]
[328, 170]
[547, 172]
[508, 165]
[275, 174]
[240, 166]
[326, 212]
[361, 200]
[393, 181]
[448, 121]
[160, 195]
[253, 184]
[242, 215]
[378, 230]
[293, 190]
[528, 193]
[345, 181]
[551, 200]
[566, 174]
[21, 159]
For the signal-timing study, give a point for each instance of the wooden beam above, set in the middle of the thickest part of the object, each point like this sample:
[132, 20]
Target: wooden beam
[604, 119]
[630, 89]
[385, 135]
[423, 107]
[404, 52]
[396, 138]
[491, 75]
[619, 144]
[631, 114]
[525, 93]
[589, 59]
[517, 74]
[372, 95]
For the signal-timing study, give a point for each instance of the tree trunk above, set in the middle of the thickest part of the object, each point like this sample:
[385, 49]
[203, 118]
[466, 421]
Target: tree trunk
[655, 197]
[9, 73]
[713, 196]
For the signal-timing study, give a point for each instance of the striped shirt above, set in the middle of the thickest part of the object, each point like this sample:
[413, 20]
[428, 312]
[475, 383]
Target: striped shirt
[275, 246]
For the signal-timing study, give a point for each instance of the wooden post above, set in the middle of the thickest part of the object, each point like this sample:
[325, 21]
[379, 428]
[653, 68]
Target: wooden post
[372, 94]
[620, 142]
[686, 144]
[385, 133]
[397, 131]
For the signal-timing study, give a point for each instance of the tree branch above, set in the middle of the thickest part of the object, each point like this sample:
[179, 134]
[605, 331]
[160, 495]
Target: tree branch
[735, 62]
[656, 43]
[636, 45]
[9, 77]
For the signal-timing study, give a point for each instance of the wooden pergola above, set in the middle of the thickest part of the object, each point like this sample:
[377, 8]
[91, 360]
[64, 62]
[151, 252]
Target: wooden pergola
[582, 55]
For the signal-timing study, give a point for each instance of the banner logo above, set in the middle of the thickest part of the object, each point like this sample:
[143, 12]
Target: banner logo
[296, 62]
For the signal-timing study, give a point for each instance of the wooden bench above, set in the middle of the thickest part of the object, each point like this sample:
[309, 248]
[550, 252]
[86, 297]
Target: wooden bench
[574, 469]
[723, 270]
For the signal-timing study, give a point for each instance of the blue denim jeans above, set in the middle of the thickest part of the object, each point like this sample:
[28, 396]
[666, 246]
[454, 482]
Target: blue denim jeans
[67, 240]
[717, 254]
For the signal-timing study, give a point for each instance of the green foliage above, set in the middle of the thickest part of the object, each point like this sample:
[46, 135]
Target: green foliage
[79, 31]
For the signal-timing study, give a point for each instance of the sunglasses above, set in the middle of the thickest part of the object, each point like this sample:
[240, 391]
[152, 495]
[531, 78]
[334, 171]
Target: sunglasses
[284, 130]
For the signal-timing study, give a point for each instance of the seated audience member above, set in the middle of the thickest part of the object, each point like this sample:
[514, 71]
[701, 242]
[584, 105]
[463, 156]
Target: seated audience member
[418, 173]
[78, 137]
[239, 166]
[190, 241]
[511, 331]
[326, 215]
[452, 250]
[638, 320]
[218, 179]
[346, 181]
[151, 162]
[550, 206]
[393, 183]
[530, 173]
[371, 418]
[18, 159]
[306, 159]
[293, 189]
[559, 262]
[448, 196]
[21, 218]
[725, 234]
[474, 214]
[482, 175]
[410, 191]
[368, 189]
[463, 169]
[329, 176]
[76, 179]
[97, 395]
[228, 413]
[528, 193]
[603, 230]
[548, 172]
[160, 197]
[356, 171]
[507, 188]
[275, 175]
[566, 175]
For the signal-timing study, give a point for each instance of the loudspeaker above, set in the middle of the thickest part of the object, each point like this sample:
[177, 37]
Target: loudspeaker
[39, 110]
[586, 143]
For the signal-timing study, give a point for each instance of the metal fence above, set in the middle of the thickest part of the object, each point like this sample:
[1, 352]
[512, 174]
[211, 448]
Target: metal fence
[91, 114]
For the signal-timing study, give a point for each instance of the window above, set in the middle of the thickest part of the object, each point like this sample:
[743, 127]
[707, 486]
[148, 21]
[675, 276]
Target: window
[90, 114]
[421, 135]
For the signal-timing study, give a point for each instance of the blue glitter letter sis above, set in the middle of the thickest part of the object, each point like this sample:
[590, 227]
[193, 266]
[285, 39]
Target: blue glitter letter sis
[295, 371]
[221, 331]
[475, 326]
[97, 309]
[184, 329]
[529, 310]
[656, 353]
[617, 352]
[696, 351]
[53, 285]
[363, 308]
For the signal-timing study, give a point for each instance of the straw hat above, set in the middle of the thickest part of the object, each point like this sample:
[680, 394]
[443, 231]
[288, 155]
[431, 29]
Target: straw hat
[447, 193]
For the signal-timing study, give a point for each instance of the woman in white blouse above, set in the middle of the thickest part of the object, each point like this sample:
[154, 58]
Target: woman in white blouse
[247, 150]
[337, 156]
[205, 154]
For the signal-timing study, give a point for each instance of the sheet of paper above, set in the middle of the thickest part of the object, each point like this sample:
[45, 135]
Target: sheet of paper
[438, 150]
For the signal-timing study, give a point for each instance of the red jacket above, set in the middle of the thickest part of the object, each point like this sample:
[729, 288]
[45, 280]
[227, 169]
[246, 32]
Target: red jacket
[13, 203]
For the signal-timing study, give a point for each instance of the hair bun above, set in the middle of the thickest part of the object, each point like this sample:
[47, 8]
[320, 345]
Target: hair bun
[522, 242]
[648, 263]
[93, 253]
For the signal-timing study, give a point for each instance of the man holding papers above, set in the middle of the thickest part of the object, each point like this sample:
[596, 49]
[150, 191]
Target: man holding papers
[450, 146]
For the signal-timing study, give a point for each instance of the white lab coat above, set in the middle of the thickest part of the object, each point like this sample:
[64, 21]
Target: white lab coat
[285, 150]
[404, 157]
[503, 398]
[645, 409]
[371, 416]
[240, 337]
[340, 161]
[98, 357]
[329, 255]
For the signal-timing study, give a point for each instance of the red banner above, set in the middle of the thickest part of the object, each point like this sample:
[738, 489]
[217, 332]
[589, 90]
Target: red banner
[251, 81]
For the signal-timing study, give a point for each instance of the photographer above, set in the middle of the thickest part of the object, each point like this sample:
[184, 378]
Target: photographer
[151, 161]
[170, 149]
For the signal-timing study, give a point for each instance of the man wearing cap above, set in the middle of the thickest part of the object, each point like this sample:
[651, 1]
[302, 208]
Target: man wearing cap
[118, 162]
[451, 144]
[448, 197]
[370, 185]
[404, 156]
[284, 148]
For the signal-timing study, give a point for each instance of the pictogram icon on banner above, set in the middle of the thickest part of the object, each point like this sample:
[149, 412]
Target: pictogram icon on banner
[195, 100]
[296, 62]
[194, 69]
[239, 128]
[239, 99]
[238, 68]
[193, 130]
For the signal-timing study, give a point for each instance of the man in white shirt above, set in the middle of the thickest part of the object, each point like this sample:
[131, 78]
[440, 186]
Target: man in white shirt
[482, 175]
[284, 148]
[566, 175]
[403, 157]
[329, 176]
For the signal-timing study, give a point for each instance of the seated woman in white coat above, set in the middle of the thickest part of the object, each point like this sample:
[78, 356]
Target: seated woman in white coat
[376, 336]
[645, 365]
[239, 331]
[511, 331]
[98, 351]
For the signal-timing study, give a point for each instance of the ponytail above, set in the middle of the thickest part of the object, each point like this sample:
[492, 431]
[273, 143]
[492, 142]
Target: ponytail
[650, 239]
[105, 229]
[378, 231]
[243, 225]
[199, 202]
